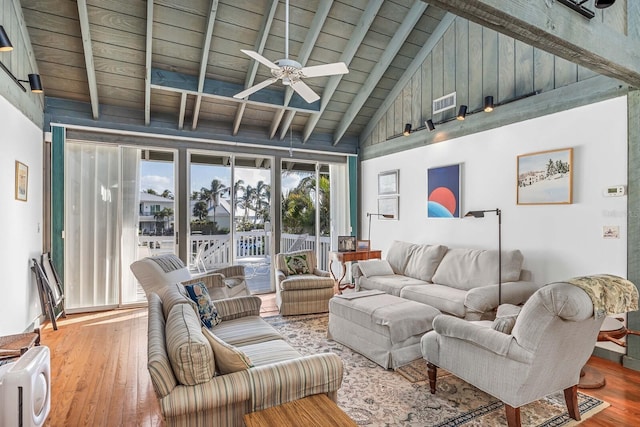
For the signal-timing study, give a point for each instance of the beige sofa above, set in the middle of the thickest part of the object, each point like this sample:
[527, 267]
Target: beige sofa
[457, 281]
[185, 362]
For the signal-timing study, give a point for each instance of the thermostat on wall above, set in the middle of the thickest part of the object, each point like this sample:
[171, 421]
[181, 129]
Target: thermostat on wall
[615, 191]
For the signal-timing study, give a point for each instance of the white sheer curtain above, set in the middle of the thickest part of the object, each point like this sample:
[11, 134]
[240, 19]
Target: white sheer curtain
[131, 291]
[92, 241]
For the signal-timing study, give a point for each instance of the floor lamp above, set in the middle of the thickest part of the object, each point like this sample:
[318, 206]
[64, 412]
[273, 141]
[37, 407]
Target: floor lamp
[480, 214]
[369, 215]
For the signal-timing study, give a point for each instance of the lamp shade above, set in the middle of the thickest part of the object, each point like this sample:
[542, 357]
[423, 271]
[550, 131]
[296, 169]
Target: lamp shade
[35, 83]
[462, 112]
[5, 43]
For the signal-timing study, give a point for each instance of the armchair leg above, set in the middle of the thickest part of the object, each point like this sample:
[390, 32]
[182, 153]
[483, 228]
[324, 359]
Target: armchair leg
[513, 416]
[571, 398]
[432, 371]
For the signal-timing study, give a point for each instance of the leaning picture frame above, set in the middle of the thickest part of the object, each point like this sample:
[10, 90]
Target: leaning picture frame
[346, 243]
[545, 177]
[363, 245]
[22, 181]
[388, 182]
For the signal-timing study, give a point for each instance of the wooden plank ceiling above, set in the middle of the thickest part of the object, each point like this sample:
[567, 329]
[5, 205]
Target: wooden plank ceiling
[182, 60]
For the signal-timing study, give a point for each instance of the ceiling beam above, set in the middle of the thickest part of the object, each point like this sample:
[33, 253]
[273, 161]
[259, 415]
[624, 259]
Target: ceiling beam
[83, 14]
[303, 56]
[272, 98]
[147, 74]
[396, 42]
[558, 30]
[349, 52]
[253, 68]
[204, 60]
[183, 108]
[435, 37]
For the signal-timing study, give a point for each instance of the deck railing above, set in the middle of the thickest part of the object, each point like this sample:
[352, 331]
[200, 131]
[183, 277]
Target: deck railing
[215, 250]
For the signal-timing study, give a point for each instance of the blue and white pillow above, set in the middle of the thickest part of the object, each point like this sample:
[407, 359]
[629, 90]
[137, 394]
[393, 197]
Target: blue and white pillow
[208, 312]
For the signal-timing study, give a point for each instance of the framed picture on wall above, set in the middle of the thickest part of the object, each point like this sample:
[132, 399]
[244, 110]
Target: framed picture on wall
[545, 178]
[443, 191]
[388, 208]
[22, 181]
[388, 182]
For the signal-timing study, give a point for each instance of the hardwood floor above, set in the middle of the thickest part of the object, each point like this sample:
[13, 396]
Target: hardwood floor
[99, 374]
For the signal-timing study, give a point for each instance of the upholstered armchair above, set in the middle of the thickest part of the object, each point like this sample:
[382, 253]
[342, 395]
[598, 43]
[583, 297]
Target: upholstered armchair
[552, 338]
[157, 272]
[301, 288]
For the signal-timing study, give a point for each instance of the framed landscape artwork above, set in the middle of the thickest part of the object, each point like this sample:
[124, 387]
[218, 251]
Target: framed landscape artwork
[388, 182]
[363, 245]
[443, 192]
[22, 181]
[545, 178]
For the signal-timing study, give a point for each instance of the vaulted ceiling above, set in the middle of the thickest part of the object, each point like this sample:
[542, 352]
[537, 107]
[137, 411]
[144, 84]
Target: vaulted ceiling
[171, 63]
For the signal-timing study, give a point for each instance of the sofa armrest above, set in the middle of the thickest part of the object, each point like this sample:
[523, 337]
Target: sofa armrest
[321, 273]
[215, 393]
[231, 271]
[278, 383]
[234, 308]
[280, 276]
[485, 298]
[479, 335]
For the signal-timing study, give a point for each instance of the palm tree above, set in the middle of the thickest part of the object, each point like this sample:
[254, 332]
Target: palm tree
[150, 191]
[238, 189]
[162, 217]
[167, 194]
[263, 195]
[200, 210]
[213, 194]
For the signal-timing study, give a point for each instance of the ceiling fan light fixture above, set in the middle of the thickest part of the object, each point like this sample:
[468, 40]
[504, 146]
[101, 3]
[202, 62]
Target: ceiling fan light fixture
[603, 4]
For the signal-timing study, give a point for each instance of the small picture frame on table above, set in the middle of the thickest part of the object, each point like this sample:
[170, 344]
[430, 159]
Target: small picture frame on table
[346, 243]
[363, 245]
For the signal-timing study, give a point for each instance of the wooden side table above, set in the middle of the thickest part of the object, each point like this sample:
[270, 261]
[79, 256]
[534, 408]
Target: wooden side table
[16, 345]
[343, 258]
[313, 411]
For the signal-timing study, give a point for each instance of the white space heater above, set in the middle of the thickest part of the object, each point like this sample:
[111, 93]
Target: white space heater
[25, 389]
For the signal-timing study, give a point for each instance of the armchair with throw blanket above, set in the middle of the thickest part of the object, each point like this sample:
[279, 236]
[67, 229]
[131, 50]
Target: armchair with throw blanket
[301, 288]
[553, 336]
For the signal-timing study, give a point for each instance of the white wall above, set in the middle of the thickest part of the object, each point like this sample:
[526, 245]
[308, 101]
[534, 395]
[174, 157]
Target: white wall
[558, 241]
[20, 222]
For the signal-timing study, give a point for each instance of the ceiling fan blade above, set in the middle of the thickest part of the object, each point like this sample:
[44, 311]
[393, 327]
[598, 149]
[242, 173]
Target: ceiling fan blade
[325, 70]
[260, 58]
[255, 88]
[305, 91]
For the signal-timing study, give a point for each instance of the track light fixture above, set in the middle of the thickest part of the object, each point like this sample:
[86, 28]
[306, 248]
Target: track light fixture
[5, 43]
[462, 112]
[429, 124]
[407, 129]
[488, 104]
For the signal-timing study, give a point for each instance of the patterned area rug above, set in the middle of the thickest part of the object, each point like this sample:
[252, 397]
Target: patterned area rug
[374, 396]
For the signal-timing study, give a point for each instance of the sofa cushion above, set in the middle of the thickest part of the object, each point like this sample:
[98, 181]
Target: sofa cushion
[389, 284]
[246, 330]
[444, 298]
[398, 255]
[306, 281]
[173, 294]
[470, 268]
[297, 264]
[375, 267]
[206, 309]
[268, 352]
[189, 351]
[228, 358]
[424, 261]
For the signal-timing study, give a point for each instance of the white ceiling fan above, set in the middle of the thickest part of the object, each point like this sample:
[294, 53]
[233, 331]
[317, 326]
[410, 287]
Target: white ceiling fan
[291, 72]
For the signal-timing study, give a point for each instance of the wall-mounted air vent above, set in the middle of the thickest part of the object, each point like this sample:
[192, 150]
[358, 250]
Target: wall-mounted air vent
[444, 103]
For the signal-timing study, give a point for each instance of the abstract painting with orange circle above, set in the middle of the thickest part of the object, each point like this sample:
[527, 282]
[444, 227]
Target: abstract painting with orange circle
[443, 189]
